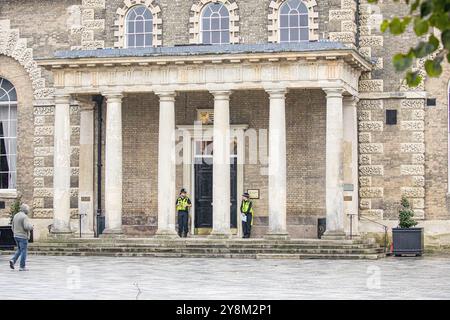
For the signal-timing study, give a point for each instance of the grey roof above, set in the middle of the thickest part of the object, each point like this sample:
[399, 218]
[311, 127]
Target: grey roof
[192, 50]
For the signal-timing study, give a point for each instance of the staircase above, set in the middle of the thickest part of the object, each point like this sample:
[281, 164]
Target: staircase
[211, 248]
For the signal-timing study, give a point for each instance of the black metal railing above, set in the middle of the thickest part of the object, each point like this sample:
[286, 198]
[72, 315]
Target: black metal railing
[385, 227]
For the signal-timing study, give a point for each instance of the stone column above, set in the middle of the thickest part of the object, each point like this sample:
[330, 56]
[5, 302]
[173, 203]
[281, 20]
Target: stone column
[62, 171]
[351, 165]
[166, 166]
[113, 165]
[277, 164]
[221, 165]
[334, 165]
[86, 166]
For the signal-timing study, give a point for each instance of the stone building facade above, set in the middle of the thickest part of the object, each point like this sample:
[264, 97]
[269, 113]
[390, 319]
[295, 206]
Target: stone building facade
[335, 64]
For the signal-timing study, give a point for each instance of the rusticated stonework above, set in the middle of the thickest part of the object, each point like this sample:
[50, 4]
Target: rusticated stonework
[12, 45]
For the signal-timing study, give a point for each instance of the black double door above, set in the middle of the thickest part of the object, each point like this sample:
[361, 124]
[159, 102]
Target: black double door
[204, 194]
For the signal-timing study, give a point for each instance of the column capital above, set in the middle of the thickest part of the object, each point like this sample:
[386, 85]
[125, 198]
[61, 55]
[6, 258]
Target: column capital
[276, 93]
[166, 95]
[221, 94]
[113, 96]
[62, 98]
[334, 92]
[351, 101]
[86, 103]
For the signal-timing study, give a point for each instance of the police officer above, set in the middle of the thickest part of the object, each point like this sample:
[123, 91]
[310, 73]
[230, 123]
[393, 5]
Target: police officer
[183, 204]
[246, 215]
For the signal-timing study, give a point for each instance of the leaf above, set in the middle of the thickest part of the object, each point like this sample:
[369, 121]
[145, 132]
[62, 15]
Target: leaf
[426, 8]
[384, 25]
[413, 79]
[445, 38]
[396, 26]
[420, 26]
[433, 67]
[402, 61]
[423, 49]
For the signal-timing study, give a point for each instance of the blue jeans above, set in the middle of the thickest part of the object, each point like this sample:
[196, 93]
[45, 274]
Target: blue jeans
[22, 247]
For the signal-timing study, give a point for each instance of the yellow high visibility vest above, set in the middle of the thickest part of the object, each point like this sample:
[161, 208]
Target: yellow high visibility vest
[182, 204]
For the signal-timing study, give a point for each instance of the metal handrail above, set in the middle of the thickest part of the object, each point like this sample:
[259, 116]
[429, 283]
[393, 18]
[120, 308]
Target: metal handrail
[385, 230]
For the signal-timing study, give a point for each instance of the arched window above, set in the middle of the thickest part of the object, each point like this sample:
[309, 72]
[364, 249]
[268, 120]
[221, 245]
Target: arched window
[294, 21]
[139, 27]
[8, 134]
[215, 24]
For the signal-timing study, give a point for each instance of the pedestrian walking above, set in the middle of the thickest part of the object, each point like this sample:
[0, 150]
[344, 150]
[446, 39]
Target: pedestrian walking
[22, 227]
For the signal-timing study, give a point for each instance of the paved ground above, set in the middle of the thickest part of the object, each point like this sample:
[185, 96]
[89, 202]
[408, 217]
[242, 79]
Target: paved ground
[151, 278]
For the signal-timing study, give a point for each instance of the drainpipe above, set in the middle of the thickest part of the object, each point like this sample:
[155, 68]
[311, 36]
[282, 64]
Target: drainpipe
[357, 14]
[98, 99]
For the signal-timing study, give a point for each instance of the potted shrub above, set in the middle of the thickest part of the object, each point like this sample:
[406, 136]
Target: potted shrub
[6, 234]
[407, 240]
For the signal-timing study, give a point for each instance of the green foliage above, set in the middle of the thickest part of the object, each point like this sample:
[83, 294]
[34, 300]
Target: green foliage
[426, 17]
[15, 207]
[406, 215]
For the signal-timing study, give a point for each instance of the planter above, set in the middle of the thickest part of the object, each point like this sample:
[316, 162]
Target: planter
[407, 241]
[6, 238]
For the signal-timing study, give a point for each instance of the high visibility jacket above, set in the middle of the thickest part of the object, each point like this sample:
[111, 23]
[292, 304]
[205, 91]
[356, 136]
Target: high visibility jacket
[182, 203]
[247, 207]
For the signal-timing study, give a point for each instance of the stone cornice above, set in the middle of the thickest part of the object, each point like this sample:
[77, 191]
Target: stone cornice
[350, 56]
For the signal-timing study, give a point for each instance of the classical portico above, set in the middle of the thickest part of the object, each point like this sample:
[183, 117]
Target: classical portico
[276, 69]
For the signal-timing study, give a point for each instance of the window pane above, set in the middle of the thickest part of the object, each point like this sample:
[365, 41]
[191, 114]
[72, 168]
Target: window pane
[304, 34]
[293, 20]
[225, 37]
[148, 26]
[224, 11]
[140, 40]
[139, 26]
[215, 23]
[206, 37]
[284, 35]
[303, 20]
[131, 41]
[130, 28]
[131, 15]
[148, 40]
[285, 9]
[140, 10]
[148, 15]
[206, 24]
[215, 37]
[294, 35]
[4, 129]
[225, 24]
[284, 21]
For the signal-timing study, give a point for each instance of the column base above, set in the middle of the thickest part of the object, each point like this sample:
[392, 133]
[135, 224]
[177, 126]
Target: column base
[165, 234]
[112, 233]
[277, 236]
[87, 234]
[334, 235]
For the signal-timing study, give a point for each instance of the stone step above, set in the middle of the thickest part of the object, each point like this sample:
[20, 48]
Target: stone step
[205, 250]
[222, 255]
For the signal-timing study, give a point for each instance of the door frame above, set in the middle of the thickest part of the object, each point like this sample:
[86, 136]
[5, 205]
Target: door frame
[206, 133]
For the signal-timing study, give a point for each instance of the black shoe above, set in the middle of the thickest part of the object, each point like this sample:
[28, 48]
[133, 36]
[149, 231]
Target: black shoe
[180, 235]
[11, 264]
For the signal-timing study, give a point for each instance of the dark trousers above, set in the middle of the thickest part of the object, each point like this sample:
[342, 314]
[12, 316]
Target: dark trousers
[183, 217]
[247, 226]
